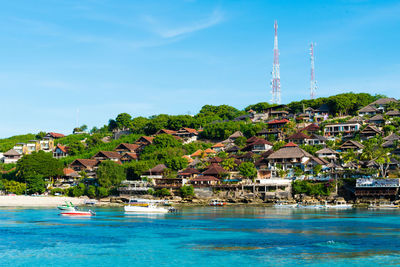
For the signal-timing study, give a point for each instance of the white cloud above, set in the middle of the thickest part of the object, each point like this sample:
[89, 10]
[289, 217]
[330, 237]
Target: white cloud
[159, 28]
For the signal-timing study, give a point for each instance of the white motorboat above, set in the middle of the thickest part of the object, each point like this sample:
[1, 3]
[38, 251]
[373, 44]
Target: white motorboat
[79, 213]
[67, 207]
[216, 202]
[340, 205]
[384, 207]
[145, 206]
[283, 205]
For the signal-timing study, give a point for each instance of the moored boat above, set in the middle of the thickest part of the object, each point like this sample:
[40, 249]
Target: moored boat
[78, 213]
[216, 202]
[67, 206]
[146, 206]
[339, 205]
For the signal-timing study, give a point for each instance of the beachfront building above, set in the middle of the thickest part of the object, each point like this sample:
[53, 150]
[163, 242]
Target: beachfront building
[377, 188]
[289, 157]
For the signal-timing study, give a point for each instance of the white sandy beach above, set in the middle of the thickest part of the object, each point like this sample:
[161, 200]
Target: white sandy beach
[39, 201]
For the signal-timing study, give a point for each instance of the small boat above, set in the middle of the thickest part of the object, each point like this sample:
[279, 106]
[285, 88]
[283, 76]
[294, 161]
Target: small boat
[146, 206]
[67, 206]
[216, 202]
[79, 213]
[284, 205]
[316, 206]
[340, 205]
[384, 207]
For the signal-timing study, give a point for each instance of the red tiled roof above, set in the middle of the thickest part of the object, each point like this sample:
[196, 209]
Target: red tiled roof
[215, 160]
[252, 139]
[190, 130]
[131, 155]
[86, 162]
[209, 151]
[62, 148]
[218, 145]
[68, 171]
[261, 142]
[108, 154]
[311, 128]
[298, 136]
[56, 135]
[130, 147]
[197, 153]
[214, 169]
[290, 144]
[278, 121]
[147, 138]
[166, 131]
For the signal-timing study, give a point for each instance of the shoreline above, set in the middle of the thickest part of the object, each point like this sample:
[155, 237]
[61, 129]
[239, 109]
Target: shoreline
[38, 201]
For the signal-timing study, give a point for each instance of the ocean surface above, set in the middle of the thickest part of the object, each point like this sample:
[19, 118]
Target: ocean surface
[209, 236]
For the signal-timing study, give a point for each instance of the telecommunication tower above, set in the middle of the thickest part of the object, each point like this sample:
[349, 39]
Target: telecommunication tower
[276, 78]
[313, 82]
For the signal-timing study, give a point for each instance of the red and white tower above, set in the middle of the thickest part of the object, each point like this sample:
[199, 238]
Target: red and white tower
[276, 78]
[313, 82]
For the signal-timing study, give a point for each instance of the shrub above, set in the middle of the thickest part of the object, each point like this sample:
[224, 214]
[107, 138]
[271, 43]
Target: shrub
[187, 191]
[163, 192]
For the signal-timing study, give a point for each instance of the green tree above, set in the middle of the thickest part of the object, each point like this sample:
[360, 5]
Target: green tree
[186, 191]
[91, 191]
[124, 121]
[240, 141]
[102, 192]
[14, 187]
[38, 163]
[166, 140]
[229, 164]
[317, 169]
[78, 190]
[176, 163]
[135, 169]
[110, 174]
[163, 192]
[76, 147]
[247, 169]
[35, 184]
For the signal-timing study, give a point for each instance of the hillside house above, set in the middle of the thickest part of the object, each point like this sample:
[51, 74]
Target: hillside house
[127, 148]
[327, 153]
[289, 157]
[369, 110]
[60, 151]
[393, 113]
[377, 120]
[352, 145]
[128, 157]
[156, 172]
[107, 155]
[204, 180]
[87, 165]
[335, 129]
[11, 156]
[369, 132]
[382, 103]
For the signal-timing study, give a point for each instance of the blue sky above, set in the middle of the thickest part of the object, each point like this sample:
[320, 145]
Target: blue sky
[149, 57]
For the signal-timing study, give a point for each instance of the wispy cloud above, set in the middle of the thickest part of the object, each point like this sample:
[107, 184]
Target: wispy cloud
[159, 28]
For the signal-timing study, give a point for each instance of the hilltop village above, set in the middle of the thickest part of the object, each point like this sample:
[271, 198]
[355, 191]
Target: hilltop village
[341, 146]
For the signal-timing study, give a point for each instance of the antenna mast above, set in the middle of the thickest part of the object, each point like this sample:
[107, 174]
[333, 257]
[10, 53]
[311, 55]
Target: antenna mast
[313, 82]
[276, 78]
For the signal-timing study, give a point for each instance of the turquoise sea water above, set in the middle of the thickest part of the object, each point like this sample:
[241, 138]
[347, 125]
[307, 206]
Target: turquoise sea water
[220, 236]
